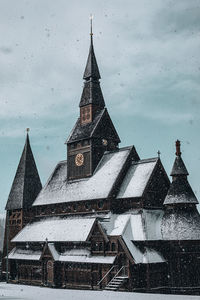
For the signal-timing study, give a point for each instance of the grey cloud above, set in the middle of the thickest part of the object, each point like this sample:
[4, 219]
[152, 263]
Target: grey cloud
[6, 50]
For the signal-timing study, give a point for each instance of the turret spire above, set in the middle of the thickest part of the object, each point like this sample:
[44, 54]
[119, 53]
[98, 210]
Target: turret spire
[91, 32]
[92, 93]
[180, 191]
[178, 148]
[179, 167]
[91, 69]
[26, 184]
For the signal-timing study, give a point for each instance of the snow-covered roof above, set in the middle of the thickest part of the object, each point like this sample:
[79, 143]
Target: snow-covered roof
[25, 254]
[152, 256]
[145, 255]
[145, 224]
[88, 259]
[82, 255]
[137, 178]
[137, 225]
[56, 229]
[58, 190]
[179, 192]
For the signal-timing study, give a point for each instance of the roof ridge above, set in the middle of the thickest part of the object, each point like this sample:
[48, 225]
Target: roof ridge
[146, 160]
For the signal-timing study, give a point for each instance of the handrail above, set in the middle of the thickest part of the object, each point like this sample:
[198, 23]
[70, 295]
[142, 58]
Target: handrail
[116, 274]
[106, 274]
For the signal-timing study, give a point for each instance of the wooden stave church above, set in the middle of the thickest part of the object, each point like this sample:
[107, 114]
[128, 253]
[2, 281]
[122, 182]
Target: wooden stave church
[105, 218]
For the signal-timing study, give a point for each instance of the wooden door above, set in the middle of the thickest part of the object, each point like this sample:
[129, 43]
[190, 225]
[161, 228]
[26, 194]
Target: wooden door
[50, 272]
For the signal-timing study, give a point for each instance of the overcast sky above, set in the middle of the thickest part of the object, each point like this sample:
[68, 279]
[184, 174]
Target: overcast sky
[148, 56]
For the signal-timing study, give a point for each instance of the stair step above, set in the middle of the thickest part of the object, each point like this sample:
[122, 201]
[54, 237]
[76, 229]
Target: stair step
[116, 283]
[118, 280]
[113, 285]
[110, 289]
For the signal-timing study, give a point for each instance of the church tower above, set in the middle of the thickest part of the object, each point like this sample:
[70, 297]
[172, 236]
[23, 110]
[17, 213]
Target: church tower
[94, 132]
[25, 188]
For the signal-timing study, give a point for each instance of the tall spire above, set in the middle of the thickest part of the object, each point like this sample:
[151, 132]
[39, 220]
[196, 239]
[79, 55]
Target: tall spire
[91, 69]
[180, 191]
[26, 184]
[92, 93]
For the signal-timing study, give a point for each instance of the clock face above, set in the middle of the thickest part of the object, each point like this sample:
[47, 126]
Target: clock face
[79, 159]
[104, 142]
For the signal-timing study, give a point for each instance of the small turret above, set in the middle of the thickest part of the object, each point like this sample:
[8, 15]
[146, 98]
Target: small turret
[25, 188]
[181, 220]
[180, 191]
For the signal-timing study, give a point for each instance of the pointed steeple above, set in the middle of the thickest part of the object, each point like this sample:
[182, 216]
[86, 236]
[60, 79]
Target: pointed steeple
[26, 184]
[179, 167]
[92, 93]
[91, 69]
[180, 191]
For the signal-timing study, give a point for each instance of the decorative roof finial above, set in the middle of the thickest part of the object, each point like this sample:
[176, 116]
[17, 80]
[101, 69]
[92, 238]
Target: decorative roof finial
[27, 130]
[158, 153]
[178, 148]
[91, 33]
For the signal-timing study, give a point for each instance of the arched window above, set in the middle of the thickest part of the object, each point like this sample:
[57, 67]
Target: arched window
[75, 206]
[100, 204]
[100, 246]
[87, 206]
[113, 247]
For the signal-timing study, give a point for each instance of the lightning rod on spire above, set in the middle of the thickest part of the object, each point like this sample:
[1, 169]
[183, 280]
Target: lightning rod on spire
[91, 18]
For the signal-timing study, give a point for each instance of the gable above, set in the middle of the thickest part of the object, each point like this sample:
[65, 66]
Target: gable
[157, 187]
[80, 132]
[97, 232]
[94, 129]
[105, 129]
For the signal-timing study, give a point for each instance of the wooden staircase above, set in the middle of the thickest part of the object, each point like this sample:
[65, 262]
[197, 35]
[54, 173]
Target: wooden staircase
[116, 283]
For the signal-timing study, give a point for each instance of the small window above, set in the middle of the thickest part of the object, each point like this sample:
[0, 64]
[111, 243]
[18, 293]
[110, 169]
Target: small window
[100, 246]
[75, 206]
[85, 143]
[95, 246]
[100, 204]
[113, 247]
[87, 206]
[95, 267]
[18, 221]
[64, 208]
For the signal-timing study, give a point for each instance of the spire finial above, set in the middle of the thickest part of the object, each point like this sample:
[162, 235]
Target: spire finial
[27, 130]
[158, 153]
[91, 33]
[178, 148]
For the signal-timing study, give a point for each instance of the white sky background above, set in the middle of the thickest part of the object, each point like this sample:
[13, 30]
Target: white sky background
[148, 56]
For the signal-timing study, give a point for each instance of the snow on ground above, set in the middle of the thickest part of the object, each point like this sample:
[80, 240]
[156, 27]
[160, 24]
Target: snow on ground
[12, 291]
